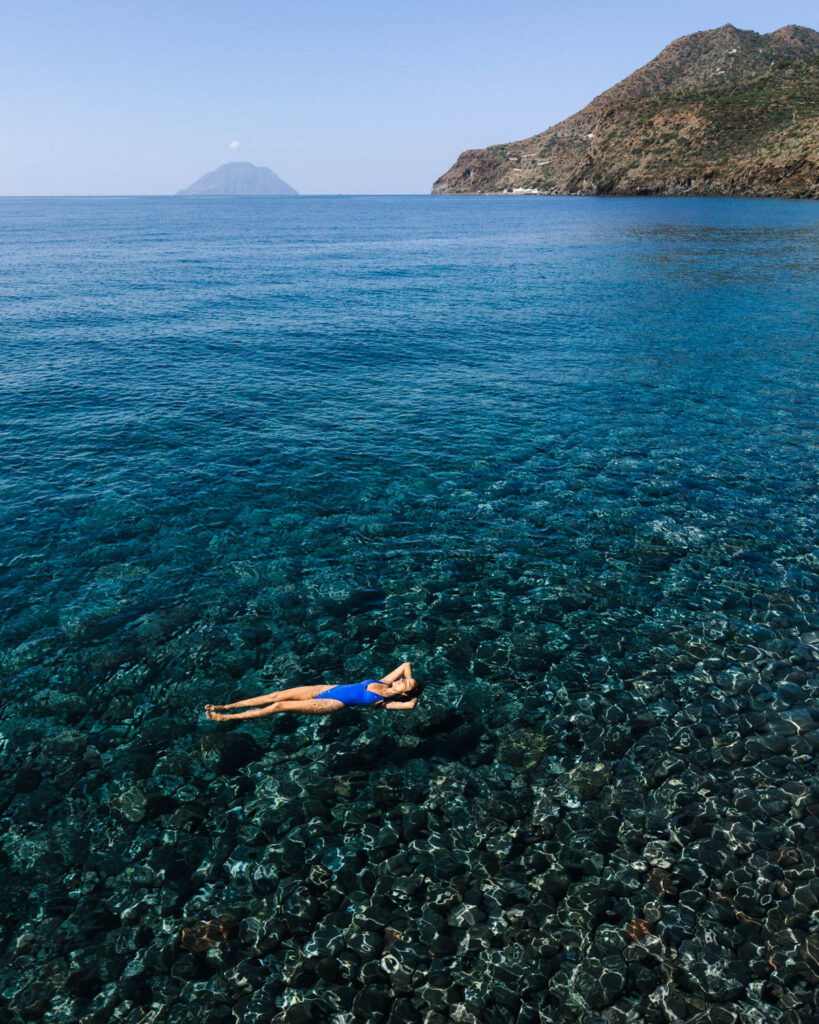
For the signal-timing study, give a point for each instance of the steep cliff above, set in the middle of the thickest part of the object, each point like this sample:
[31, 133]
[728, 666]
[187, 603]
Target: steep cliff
[724, 112]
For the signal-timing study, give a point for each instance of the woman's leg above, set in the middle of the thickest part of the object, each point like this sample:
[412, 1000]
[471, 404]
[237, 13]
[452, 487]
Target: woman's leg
[294, 693]
[264, 698]
[307, 707]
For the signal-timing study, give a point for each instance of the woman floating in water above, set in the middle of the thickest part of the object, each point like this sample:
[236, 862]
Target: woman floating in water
[391, 693]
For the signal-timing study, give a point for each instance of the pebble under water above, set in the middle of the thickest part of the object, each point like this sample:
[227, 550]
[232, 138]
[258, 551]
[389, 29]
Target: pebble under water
[559, 453]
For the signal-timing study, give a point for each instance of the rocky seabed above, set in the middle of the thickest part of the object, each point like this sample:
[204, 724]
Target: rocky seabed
[598, 852]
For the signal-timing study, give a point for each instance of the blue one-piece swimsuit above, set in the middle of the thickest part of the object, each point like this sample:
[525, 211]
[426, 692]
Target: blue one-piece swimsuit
[352, 695]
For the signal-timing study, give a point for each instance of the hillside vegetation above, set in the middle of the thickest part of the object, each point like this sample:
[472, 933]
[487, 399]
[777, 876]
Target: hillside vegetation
[725, 112]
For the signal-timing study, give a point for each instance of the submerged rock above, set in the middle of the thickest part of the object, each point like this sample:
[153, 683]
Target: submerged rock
[523, 749]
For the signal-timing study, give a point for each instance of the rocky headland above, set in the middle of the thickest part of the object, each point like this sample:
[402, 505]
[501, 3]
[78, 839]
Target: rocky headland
[720, 112]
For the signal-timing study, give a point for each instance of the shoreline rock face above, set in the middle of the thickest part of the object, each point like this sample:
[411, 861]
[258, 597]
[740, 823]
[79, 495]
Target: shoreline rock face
[239, 179]
[725, 112]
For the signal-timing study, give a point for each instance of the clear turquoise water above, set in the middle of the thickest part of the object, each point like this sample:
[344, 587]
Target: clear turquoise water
[559, 453]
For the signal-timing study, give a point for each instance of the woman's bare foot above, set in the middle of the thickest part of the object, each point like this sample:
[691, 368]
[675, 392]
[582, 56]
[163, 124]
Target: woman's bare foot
[216, 717]
[216, 707]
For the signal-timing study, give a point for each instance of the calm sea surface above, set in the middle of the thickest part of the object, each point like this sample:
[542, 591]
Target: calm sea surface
[559, 453]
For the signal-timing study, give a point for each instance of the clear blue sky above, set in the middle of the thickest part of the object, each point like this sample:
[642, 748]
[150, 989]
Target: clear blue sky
[354, 96]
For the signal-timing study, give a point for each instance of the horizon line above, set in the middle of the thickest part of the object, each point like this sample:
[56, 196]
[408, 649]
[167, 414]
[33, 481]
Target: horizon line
[175, 195]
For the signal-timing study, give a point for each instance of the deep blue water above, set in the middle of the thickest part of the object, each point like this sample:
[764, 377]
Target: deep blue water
[560, 453]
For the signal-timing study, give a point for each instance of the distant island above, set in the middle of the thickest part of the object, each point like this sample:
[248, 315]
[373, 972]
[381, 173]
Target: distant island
[239, 179]
[723, 112]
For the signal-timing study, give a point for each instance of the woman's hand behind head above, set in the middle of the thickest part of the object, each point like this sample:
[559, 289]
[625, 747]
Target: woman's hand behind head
[406, 689]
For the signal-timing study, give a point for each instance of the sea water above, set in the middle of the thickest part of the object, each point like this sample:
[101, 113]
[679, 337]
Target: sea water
[558, 453]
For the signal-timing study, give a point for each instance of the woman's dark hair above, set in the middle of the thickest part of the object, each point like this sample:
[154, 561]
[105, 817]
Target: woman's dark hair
[413, 694]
